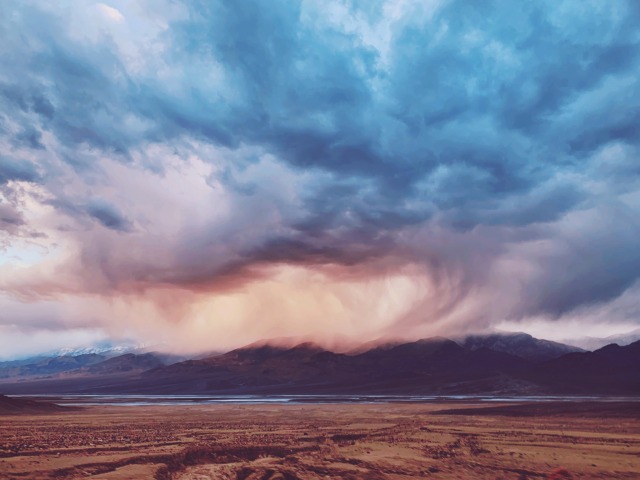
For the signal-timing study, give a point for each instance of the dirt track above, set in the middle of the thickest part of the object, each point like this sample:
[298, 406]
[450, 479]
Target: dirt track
[318, 442]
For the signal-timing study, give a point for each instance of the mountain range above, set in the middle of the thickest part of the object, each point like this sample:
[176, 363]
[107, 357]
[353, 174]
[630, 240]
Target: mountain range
[506, 364]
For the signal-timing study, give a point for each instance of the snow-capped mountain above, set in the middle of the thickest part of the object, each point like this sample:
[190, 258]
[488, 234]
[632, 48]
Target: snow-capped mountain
[105, 348]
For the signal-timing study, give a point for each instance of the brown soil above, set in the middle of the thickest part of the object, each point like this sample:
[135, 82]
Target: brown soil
[276, 442]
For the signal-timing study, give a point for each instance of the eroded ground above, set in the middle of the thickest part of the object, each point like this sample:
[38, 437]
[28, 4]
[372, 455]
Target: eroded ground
[270, 442]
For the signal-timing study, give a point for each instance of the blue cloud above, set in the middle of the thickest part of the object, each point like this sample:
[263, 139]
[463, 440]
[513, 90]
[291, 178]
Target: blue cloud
[13, 169]
[108, 215]
[473, 115]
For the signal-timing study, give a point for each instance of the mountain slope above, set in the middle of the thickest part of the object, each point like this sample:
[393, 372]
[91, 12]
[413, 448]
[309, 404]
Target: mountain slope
[48, 365]
[610, 370]
[125, 363]
[19, 406]
[519, 344]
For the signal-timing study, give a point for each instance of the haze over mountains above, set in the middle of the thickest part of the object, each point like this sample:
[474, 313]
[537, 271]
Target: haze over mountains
[594, 343]
[506, 364]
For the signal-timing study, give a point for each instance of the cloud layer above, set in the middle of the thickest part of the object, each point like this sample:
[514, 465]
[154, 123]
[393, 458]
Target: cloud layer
[202, 174]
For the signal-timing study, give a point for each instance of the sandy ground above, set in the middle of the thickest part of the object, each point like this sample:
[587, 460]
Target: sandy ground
[269, 442]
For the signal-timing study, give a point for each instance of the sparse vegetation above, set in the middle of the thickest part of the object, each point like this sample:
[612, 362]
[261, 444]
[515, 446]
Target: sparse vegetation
[314, 442]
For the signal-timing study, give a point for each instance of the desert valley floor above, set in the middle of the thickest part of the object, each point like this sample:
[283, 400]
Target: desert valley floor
[344, 441]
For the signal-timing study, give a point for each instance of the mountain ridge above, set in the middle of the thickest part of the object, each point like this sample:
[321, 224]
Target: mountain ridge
[519, 344]
[428, 366]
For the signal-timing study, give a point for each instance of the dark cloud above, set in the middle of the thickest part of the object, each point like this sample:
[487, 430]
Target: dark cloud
[481, 88]
[10, 219]
[484, 86]
[108, 215]
[593, 260]
[491, 117]
[14, 169]
[31, 138]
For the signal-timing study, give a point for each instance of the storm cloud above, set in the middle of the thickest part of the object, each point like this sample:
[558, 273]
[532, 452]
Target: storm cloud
[356, 169]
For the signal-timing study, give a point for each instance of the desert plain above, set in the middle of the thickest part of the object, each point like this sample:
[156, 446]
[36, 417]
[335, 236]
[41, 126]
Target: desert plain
[560, 440]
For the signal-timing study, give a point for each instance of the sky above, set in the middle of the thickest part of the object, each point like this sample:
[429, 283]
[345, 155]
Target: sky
[198, 175]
